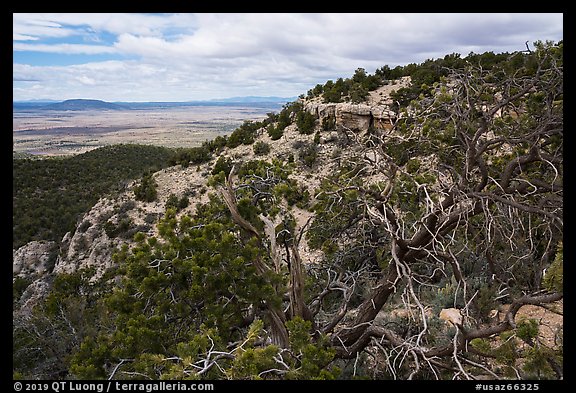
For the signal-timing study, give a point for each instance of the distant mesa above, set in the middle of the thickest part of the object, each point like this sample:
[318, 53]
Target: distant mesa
[83, 105]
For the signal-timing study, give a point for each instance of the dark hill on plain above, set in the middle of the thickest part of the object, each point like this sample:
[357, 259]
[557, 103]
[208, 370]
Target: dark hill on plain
[83, 105]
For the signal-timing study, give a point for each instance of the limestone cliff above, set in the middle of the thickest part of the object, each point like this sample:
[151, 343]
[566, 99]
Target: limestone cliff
[353, 117]
[374, 112]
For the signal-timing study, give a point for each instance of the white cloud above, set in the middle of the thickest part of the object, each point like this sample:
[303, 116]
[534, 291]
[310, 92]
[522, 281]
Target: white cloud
[65, 48]
[194, 56]
[23, 37]
[32, 26]
[58, 25]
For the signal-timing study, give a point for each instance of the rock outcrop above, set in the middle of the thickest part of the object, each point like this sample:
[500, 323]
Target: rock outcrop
[34, 259]
[374, 112]
[89, 246]
[354, 117]
[110, 223]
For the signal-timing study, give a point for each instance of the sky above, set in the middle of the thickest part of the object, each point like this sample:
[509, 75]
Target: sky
[184, 57]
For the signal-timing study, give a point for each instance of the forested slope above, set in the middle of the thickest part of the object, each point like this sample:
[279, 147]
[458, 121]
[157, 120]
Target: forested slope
[50, 194]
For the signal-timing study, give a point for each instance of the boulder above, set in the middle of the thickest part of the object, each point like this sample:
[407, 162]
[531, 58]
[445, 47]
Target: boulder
[89, 247]
[34, 259]
[452, 316]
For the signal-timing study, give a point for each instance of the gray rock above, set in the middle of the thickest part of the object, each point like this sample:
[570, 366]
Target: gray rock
[34, 259]
[354, 117]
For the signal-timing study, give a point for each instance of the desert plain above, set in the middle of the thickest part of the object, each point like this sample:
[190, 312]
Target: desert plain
[42, 132]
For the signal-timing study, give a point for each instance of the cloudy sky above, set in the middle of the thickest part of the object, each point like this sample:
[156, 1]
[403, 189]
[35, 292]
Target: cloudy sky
[182, 57]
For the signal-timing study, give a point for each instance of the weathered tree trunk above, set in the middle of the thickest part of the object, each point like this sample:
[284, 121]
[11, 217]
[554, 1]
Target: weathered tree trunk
[276, 317]
[370, 308]
[297, 306]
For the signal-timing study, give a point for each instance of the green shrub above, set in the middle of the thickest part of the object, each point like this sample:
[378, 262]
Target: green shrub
[84, 226]
[275, 132]
[245, 134]
[193, 155]
[223, 164]
[308, 154]
[173, 202]
[121, 229]
[146, 190]
[554, 277]
[305, 122]
[19, 286]
[261, 148]
[328, 123]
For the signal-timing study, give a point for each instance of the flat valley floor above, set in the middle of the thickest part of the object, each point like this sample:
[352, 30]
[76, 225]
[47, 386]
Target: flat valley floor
[42, 132]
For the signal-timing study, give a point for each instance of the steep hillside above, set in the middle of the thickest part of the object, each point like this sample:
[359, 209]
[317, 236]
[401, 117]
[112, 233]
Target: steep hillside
[406, 225]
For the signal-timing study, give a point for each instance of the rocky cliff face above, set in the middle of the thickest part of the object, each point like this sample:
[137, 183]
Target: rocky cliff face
[375, 112]
[353, 117]
[89, 246]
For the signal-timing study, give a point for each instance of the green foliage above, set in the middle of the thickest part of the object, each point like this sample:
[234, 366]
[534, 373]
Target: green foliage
[223, 164]
[329, 123]
[354, 89]
[121, 228]
[308, 153]
[45, 338]
[537, 362]
[446, 296]
[245, 134]
[386, 73]
[333, 92]
[199, 277]
[275, 132]
[507, 352]
[217, 144]
[316, 138]
[252, 363]
[192, 155]
[49, 195]
[261, 148]
[146, 190]
[263, 169]
[284, 117]
[358, 94]
[527, 330]
[294, 193]
[311, 358]
[484, 302]
[277, 124]
[19, 285]
[336, 212]
[481, 344]
[305, 122]
[554, 277]
[173, 202]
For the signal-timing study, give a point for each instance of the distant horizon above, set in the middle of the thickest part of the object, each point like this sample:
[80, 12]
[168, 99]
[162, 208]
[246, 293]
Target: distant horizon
[253, 99]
